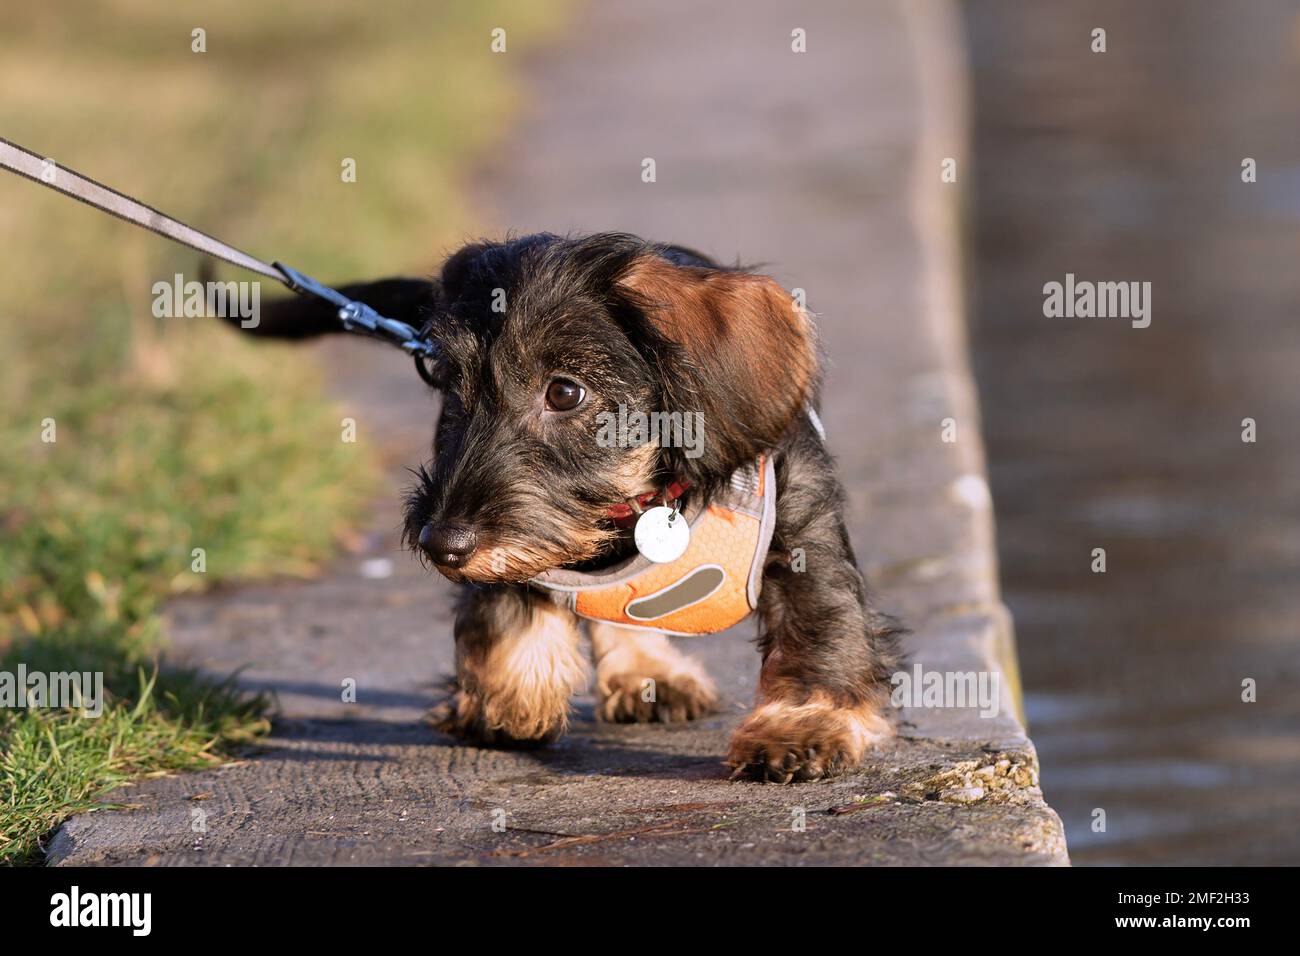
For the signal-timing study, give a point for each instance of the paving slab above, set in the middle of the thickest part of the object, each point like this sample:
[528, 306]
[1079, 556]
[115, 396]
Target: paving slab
[823, 165]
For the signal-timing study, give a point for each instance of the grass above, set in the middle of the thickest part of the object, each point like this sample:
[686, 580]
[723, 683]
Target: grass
[171, 435]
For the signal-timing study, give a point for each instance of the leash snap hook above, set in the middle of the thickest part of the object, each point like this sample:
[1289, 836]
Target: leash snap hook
[348, 314]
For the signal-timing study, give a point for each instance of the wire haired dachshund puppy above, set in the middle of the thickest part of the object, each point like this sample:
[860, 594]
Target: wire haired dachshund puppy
[542, 334]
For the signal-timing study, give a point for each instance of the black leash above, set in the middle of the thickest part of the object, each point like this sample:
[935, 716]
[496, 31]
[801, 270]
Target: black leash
[354, 316]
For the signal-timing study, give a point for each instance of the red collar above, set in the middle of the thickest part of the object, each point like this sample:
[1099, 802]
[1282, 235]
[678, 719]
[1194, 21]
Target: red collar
[624, 514]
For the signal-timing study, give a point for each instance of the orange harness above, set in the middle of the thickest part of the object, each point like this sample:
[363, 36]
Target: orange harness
[713, 585]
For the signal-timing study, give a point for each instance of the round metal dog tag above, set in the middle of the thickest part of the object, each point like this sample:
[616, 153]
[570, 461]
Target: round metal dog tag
[662, 534]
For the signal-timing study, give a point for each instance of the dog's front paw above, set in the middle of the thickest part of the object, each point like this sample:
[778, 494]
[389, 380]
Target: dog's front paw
[644, 698]
[641, 677]
[782, 741]
[478, 720]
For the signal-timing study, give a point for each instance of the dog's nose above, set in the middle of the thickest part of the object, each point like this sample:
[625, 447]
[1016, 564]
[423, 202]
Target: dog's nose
[449, 544]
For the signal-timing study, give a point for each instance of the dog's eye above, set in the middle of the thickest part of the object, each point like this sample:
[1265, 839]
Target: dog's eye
[563, 395]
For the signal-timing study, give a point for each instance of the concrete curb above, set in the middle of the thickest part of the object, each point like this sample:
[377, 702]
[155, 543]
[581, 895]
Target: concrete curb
[939, 51]
[977, 634]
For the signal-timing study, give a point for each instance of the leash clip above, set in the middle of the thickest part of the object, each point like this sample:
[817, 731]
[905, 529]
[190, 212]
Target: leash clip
[360, 318]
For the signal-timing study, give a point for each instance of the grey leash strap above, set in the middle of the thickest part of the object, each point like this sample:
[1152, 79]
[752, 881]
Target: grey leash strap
[46, 172]
[354, 316]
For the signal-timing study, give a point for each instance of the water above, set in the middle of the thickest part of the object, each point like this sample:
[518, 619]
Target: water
[1126, 166]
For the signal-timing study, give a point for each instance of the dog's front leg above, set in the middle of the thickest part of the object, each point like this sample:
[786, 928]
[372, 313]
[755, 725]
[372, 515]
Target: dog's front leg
[641, 677]
[517, 666]
[827, 658]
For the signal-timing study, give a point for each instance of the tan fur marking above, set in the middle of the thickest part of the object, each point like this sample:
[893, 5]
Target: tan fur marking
[747, 322]
[626, 659]
[521, 684]
[515, 562]
[784, 740]
[636, 470]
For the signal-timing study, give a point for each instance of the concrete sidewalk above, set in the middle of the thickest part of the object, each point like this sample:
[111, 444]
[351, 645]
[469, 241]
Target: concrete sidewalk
[825, 165]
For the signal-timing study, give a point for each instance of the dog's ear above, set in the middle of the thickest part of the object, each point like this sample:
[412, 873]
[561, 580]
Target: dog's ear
[749, 350]
[302, 317]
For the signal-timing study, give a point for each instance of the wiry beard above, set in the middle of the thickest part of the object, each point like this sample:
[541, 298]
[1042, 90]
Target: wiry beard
[529, 530]
[517, 561]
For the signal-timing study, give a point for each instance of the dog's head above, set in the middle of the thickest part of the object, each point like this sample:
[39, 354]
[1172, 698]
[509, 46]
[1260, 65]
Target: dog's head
[557, 354]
